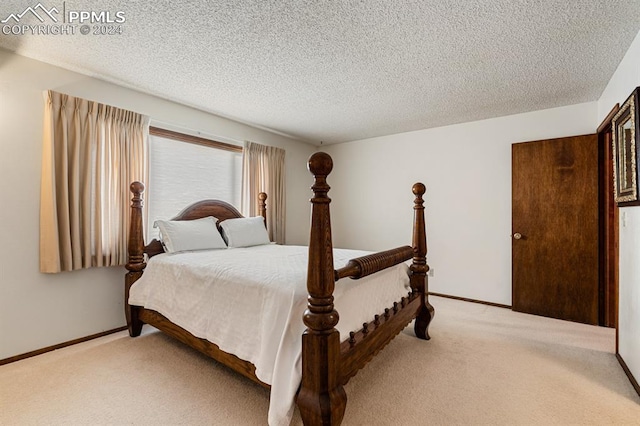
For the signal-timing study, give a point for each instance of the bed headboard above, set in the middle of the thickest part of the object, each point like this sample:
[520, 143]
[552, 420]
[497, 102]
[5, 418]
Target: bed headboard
[216, 208]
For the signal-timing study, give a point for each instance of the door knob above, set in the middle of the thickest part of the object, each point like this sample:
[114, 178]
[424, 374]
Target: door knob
[517, 235]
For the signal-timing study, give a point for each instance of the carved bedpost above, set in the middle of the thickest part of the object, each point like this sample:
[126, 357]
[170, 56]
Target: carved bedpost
[262, 207]
[419, 267]
[321, 399]
[135, 264]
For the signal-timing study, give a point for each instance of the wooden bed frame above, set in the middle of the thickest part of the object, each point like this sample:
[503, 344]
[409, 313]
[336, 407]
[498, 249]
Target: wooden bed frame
[327, 364]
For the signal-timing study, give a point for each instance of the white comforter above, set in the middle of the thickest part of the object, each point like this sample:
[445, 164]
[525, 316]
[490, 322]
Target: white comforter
[250, 302]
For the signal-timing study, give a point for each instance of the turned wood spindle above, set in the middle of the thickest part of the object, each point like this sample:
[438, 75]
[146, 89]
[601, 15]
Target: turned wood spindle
[135, 261]
[419, 267]
[262, 206]
[135, 247]
[321, 397]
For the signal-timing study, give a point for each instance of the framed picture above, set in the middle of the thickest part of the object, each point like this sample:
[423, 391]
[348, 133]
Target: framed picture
[625, 151]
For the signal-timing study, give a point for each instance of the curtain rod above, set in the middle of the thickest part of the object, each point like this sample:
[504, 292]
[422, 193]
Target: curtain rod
[182, 129]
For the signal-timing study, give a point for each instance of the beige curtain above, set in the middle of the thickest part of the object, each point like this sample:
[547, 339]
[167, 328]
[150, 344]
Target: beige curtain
[91, 153]
[263, 171]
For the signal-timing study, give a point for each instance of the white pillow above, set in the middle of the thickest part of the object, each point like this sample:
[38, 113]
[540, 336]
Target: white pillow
[183, 235]
[245, 231]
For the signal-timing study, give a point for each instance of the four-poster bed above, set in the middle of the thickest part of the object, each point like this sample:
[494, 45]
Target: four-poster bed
[328, 360]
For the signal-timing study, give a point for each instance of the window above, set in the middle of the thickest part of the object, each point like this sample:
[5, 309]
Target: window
[184, 169]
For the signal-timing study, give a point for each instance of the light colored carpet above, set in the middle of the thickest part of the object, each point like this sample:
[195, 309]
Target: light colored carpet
[483, 365]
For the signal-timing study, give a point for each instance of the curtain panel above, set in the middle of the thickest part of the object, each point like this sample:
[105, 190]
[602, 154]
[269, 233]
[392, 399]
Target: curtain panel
[91, 153]
[263, 171]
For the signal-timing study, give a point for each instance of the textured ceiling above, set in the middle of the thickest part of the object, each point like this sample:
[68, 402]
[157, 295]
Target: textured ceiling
[336, 71]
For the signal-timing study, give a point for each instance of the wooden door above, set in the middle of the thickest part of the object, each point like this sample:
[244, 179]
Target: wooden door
[608, 227]
[555, 228]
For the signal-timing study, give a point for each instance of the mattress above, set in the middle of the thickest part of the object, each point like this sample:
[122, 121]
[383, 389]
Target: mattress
[250, 302]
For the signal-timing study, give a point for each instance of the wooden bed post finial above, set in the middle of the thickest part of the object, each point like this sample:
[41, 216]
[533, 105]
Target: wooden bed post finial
[419, 267]
[321, 398]
[262, 207]
[135, 263]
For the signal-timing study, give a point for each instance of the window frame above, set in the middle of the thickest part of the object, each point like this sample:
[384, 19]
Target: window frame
[183, 137]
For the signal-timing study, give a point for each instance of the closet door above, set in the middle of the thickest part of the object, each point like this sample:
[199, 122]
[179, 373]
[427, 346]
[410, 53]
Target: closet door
[555, 228]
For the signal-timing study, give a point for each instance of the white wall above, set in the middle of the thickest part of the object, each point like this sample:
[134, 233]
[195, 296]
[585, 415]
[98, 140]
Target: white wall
[467, 171]
[624, 80]
[38, 310]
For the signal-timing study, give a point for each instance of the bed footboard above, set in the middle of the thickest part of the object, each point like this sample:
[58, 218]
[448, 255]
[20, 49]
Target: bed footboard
[365, 343]
[326, 364]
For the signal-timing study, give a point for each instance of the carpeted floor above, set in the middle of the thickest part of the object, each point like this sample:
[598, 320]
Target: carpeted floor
[483, 365]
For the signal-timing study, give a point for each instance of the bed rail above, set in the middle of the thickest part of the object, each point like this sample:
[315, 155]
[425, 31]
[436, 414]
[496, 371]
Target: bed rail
[372, 263]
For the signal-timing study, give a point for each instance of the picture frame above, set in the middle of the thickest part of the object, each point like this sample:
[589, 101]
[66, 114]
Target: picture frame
[625, 143]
